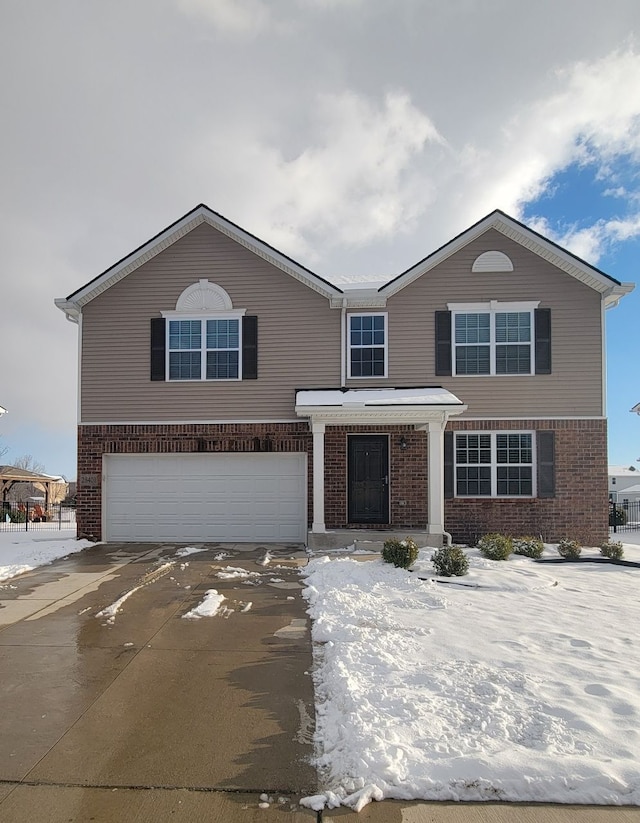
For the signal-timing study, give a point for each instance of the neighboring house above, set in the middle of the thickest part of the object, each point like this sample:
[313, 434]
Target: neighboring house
[228, 393]
[622, 480]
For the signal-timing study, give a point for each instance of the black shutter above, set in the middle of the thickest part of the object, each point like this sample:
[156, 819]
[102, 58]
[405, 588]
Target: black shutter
[158, 343]
[543, 341]
[443, 342]
[249, 347]
[448, 465]
[545, 447]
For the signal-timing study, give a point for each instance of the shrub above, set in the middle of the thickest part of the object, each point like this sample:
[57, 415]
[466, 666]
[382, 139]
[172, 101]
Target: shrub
[402, 553]
[569, 549]
[18, 516]
[528, 546]
[450, 561]
[617, 516]
[612, 549]
[495, 546]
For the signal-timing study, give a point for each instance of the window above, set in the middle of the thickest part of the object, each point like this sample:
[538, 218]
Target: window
[494, 464]
[367, 345]
[493, 338]
[204, 349]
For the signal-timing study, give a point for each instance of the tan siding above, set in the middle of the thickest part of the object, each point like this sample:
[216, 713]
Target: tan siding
[298, 334]
[575, 386]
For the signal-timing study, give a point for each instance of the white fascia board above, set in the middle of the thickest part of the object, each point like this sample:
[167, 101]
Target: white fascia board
[518, 233]
[71, 310]
[363, 415]
[613, 295]
[178, 230]
[234, 421]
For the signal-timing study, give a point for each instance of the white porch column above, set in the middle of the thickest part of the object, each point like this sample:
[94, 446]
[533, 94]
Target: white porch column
[318, 477]
[435, 463]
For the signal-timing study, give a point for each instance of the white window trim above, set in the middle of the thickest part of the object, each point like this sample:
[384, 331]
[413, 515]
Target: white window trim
[236, 314]
[383, 314]
[492, 308]
[494, 468]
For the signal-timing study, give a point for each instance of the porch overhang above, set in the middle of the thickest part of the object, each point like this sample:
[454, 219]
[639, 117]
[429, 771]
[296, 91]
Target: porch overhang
[426, 408]
[414, 406]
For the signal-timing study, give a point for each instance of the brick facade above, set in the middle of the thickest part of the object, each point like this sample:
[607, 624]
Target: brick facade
[407, 481]
[580, 508]
[94, 441]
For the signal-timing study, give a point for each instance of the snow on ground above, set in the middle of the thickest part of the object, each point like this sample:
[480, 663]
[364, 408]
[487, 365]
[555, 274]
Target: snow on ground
[208, 606]
[519, 681]
[23, 551]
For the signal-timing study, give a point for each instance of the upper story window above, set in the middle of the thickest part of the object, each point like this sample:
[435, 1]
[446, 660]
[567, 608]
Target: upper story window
[494, 464]
[205, 338]
[493, 338]
[367, 356]
[204, 349]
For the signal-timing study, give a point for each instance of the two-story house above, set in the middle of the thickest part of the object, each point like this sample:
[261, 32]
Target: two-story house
[228, 393]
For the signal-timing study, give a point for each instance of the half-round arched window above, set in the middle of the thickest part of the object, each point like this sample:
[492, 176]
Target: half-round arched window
[492, 261]
[204, 296]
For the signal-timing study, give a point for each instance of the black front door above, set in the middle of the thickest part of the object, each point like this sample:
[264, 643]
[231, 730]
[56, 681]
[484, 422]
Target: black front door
[368, 472]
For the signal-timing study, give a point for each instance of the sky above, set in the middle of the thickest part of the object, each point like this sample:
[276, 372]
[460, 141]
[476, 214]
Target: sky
[355, 135]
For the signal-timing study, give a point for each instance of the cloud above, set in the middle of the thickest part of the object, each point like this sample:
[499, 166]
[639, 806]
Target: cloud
[234, 17]
[353, 184]
[590, 242]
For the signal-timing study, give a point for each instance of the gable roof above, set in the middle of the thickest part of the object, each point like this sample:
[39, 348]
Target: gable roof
[201, 214]
[14, 473]
[364, 296]
[591, 276]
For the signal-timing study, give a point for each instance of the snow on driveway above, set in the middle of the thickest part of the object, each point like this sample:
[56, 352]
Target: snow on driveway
[519, 681]
[25, 550]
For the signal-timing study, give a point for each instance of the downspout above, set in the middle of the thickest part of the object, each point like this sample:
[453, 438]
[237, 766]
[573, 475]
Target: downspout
[343, 343]
[603, 338]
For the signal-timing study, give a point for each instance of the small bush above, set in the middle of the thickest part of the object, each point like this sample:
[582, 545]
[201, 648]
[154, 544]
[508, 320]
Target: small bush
[528, 546]
[402, 553]
[450, 561]
[617, 516]
[569, 549]
[612, 549]
[495, 546]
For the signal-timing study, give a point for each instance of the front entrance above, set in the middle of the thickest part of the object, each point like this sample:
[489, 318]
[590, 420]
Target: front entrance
[368, 478]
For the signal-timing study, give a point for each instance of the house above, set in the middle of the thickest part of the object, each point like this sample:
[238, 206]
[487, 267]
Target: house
[228, 393]
[624, 484]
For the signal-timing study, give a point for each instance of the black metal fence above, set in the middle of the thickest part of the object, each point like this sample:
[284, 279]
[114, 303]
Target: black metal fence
[624, 516]
[28, 516]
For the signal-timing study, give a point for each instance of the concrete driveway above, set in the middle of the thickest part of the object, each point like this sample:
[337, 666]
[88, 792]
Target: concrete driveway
[147, 717]
[146, 699]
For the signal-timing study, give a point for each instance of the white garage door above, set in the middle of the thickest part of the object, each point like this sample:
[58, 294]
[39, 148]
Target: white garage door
[241, 498]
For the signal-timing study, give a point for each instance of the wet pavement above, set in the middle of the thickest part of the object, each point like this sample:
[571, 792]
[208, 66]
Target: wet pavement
[147, 717]
[146, 699]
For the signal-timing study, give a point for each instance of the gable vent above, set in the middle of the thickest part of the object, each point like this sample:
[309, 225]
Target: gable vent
[492, 261]
[204, 296]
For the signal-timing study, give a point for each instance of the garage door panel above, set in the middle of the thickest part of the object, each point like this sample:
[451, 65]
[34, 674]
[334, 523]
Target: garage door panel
[204, 497]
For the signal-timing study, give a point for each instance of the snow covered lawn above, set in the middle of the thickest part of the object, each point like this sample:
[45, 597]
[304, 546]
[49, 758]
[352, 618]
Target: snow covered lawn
[22, 551]
[519, 681]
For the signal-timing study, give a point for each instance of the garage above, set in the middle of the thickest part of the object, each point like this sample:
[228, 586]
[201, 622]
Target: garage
[231, 498]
